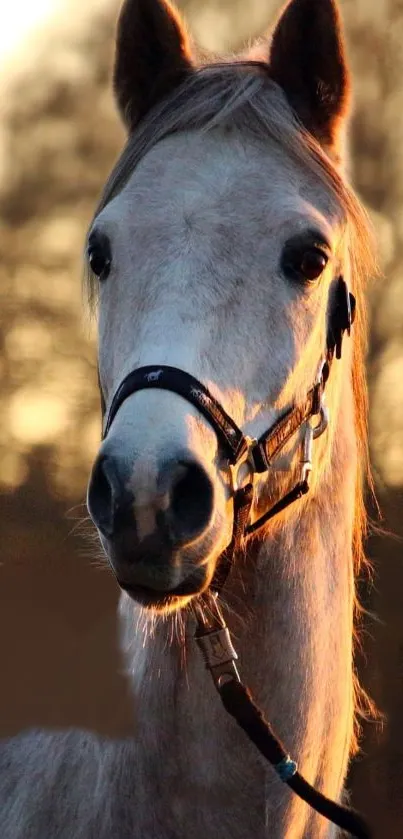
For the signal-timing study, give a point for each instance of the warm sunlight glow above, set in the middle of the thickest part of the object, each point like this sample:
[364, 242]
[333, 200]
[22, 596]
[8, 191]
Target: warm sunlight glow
[19, 18]
[36, 417]
[13, 470]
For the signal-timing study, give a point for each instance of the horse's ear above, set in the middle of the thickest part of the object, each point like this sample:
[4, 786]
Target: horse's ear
[152, 56]
[308, 61]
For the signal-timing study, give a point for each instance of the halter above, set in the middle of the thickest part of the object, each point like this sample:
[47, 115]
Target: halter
[256, 457]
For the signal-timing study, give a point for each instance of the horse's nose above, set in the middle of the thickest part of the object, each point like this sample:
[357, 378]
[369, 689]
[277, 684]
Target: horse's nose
[189, 498]
[110, 504]
[178, 504]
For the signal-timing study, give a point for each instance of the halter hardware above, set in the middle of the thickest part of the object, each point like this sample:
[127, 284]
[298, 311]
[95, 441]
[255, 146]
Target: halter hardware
[214, 640]
[212, 635]
[245, 460]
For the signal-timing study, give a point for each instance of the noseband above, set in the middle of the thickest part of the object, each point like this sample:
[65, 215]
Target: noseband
[256, 457]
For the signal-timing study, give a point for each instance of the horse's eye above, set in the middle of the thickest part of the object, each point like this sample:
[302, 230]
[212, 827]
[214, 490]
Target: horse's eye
[99, 255]
[304, 261]
[312, 264]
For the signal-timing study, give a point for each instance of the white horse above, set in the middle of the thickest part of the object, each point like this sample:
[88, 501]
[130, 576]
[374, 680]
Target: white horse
[217, 249]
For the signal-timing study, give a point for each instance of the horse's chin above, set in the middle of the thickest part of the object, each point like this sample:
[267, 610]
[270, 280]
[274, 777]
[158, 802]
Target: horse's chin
[162, 580]
[160, 604]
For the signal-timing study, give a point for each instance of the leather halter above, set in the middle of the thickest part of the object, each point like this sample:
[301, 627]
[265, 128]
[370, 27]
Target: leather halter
[240, 450]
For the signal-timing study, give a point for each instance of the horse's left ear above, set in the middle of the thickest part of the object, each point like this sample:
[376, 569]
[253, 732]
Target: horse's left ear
[152, 56]
[308, 61]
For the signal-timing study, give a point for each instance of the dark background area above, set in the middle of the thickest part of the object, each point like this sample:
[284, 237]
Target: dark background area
[59, 135]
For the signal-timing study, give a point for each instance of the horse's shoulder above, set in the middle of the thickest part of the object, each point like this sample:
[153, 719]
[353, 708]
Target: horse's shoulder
[38, 752]
[55, 784]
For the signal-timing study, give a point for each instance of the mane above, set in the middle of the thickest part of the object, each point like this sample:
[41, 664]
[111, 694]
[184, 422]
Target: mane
[241, 95]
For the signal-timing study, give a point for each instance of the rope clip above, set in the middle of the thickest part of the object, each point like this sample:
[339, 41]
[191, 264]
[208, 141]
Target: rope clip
[214, 640]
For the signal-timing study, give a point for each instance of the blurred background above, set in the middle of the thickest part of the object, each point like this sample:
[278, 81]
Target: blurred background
[59, 135]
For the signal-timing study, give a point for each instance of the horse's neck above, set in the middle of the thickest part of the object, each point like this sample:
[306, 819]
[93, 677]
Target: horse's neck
[290, 612]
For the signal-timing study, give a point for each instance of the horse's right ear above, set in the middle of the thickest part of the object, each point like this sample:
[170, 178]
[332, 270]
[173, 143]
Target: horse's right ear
[152, 57]
[308, 61]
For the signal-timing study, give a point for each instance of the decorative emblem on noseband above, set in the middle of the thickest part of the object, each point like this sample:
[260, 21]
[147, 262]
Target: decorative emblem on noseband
[154, 376]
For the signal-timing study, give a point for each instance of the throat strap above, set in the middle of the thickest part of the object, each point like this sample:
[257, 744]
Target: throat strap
[272, 441]
[294, 495]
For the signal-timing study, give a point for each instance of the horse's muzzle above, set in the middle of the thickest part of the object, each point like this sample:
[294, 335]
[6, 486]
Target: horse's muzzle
[151, 526]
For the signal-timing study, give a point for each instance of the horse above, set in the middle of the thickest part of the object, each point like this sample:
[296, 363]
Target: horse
[225, 252]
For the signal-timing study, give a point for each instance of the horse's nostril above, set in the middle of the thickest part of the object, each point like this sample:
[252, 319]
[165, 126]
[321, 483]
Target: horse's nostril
[109, 504]
[191, 502]
[180, 505]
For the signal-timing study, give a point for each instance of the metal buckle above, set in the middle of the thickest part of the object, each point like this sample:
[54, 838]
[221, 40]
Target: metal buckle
[323, 421]
[323, 409]
[214, 640]
[219, 655]
[306, 460]
[312, 433]
[245, 460]
[319, 374]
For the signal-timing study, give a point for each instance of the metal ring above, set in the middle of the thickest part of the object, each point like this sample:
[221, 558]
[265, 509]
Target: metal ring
[319, 374]
[243, 461]
[323, 422]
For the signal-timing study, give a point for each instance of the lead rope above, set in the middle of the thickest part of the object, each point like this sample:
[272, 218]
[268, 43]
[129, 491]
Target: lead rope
[214, 639]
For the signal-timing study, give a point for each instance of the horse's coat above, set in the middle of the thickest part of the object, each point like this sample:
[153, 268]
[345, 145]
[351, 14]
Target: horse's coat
[214, 185]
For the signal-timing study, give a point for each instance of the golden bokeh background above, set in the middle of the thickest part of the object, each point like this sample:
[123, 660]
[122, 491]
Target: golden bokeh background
[59, 135]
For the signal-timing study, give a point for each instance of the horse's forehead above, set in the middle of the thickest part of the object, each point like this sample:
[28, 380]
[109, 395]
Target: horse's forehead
[193, 172]
[220, 156]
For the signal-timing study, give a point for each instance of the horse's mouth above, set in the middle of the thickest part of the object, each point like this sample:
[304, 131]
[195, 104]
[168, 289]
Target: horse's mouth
[159, 601]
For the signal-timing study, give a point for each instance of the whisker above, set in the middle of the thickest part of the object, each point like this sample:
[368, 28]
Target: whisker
[71, 510]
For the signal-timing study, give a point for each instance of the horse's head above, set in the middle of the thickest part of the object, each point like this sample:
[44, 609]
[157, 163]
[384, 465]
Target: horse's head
[221, 232]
